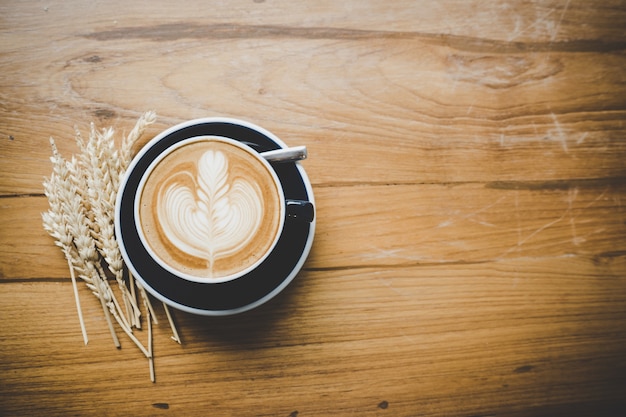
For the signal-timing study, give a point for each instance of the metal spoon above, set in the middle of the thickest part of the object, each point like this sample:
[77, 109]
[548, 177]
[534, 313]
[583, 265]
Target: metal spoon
[295, 153]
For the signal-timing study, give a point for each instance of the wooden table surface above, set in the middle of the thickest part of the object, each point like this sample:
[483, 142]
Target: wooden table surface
[468, 160]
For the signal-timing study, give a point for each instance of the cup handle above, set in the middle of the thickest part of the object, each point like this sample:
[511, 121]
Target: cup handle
[300, 210]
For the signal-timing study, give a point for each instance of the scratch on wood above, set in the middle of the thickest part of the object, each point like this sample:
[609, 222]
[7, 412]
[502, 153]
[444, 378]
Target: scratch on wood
[598, 198]
[562, 138]
[536, 232]
[571, 197]
[544, 227]
[558, 23]
[387, 283]
[498, 71]
[539, 21]
[472, 216]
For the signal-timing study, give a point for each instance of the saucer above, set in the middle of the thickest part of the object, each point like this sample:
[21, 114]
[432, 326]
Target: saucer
[241, 294]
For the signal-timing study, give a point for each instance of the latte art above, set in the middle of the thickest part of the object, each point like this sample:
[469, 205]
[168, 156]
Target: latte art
[210, 216]
[210, 209]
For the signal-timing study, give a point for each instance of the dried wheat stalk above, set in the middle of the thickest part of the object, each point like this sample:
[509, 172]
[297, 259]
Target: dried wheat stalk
[81, 193]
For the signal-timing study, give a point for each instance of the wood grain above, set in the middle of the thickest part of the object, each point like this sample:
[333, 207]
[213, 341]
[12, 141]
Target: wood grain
[468, 164]
[416, 338]
[405, 225]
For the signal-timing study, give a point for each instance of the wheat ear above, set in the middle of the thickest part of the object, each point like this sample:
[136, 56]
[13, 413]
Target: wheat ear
[87, 239]
[124, 158]
[98, 160]
[82, 194]
[55, 223]
[78, 222]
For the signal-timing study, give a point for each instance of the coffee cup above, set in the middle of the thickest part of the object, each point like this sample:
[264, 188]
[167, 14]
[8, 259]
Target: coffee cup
[209, 208]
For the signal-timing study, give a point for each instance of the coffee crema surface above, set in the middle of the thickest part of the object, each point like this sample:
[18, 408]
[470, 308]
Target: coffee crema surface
[210, 209]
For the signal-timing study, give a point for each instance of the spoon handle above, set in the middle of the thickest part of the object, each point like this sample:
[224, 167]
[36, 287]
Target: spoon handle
[295, 153]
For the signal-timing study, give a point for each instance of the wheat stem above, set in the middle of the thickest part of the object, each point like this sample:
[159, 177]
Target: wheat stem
[107, 316]
[130, 334]
[146, 300]
[175, 336]
[110, 295]
[77, 300]
[150, 358]
[133, 294]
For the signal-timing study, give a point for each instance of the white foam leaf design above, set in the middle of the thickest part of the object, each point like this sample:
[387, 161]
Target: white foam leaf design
[215, 217]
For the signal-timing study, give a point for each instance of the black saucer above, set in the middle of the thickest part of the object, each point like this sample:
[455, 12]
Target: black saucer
[240, 294]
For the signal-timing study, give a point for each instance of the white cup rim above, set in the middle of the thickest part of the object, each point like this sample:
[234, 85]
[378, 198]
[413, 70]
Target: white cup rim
[164, 154]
